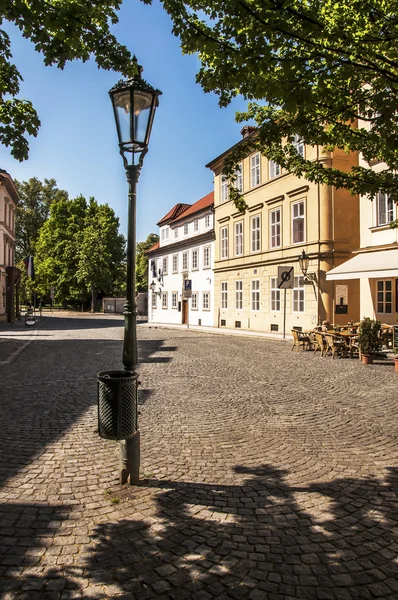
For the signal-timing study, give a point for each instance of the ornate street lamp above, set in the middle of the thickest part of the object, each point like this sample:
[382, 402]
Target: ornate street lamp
[304, 262]
[134, 104]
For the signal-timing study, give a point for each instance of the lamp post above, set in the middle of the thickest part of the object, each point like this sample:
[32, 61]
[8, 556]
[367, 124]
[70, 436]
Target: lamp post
[134, 104]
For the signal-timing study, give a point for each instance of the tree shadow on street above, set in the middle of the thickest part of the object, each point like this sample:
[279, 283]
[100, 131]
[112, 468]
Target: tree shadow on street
[325, 540]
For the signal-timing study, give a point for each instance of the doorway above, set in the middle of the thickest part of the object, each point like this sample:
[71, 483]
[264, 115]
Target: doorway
[185, 312]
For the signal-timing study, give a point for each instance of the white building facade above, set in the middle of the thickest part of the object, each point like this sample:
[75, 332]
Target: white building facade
[9, 274]
[181, 266]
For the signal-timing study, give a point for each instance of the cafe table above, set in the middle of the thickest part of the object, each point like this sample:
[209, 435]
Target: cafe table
[345, 335]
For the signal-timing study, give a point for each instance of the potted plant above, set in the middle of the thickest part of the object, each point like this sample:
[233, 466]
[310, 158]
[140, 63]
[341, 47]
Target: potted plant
[369, 339]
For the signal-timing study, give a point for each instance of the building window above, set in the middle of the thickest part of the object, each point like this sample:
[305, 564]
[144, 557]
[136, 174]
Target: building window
[239, 178]
[384, 296]
[162, 234]
[176, 233]
[206, 300]
[186, 229]
[238, 244]
[274, 169]
[174, 299]
[224, 294]
[185, 261]
[298, 294]
[238, 295]
[298, 145]
[275, 228]
[175, 263]
[255, 234]
[224, 242]
[196, 225]
[206, 257]
[255, 293]
[298, 222]
[255, 170]
[224, 188]
[275, 295]
[207, 221]
[164, 299]
[194, 301]
[153, 300]
[195, 260]
[164, 265]
[385, 209]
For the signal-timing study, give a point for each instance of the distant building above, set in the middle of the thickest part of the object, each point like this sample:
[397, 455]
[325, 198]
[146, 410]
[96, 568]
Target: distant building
[9, 274]
[181, 266]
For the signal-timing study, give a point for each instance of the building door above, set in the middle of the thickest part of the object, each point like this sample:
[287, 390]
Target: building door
[185, 312]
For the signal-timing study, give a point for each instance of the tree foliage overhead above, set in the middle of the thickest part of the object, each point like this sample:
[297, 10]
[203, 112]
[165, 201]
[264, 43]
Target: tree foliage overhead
[62, 31]
[307, 67]
[32, 212]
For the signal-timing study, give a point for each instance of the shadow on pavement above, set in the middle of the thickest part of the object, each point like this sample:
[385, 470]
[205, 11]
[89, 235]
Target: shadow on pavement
[225, 541]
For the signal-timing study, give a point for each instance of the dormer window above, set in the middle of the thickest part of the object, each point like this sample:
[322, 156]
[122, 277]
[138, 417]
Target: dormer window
[186, 229]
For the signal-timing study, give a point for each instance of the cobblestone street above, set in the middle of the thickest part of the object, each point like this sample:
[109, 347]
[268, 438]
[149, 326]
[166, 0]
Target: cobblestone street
[266, 473]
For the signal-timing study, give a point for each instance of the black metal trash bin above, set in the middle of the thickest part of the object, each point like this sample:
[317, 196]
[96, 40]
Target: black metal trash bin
[117, 404]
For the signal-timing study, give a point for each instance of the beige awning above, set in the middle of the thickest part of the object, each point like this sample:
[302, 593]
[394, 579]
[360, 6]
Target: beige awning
[367, 265]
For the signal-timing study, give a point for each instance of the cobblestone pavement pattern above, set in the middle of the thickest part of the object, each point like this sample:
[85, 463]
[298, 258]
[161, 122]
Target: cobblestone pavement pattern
[267, 474]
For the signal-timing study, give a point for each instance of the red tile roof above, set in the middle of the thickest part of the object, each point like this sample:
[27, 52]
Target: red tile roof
[174, 212]
[199, 205]
[153, 248]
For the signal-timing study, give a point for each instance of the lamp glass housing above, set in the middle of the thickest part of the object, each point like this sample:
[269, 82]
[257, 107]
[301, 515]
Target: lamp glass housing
[304, 261]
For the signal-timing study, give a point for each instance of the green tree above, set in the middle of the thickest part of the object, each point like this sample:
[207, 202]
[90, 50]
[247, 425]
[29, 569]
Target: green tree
[62, 31]
[32, 212]
[309, 68]
[142, 262]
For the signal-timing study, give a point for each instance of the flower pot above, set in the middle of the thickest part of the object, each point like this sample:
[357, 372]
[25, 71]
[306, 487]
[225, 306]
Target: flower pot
[396, 363]
[367, 359]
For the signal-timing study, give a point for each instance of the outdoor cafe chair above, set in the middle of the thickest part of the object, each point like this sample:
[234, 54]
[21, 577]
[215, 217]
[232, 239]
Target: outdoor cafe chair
[319, 342]
[302, 340]
[335, 345]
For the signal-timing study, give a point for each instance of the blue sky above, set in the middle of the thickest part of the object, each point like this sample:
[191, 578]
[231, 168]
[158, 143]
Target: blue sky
[77, 143]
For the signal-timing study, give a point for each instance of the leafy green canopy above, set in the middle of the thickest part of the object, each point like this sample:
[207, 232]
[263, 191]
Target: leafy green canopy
[142, 262]
[307, 67]
[61, 30]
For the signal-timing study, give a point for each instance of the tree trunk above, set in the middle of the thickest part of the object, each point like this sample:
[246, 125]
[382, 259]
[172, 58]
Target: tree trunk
[93, 299]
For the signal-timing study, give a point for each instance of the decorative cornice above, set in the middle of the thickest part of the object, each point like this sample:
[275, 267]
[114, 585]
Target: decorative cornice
[238, 214]
[275, 199]
[299, 190]
[190, 242]
[224, 219]
[6, 180]
[255, 207]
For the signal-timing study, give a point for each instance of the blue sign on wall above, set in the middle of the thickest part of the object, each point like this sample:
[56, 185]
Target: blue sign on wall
[187, 284]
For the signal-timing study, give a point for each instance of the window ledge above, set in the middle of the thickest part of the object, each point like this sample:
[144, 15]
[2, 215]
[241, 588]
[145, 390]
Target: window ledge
[380, 227]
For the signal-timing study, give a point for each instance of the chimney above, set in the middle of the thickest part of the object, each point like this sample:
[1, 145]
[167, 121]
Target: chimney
[247, 130]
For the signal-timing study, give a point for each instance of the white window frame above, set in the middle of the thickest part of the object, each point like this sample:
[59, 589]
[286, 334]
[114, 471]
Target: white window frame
[165, 265]
[186, 229]
[239, 177]
[176, 233]
[274, 169]
[297, 218]
[163, 235]
[255, 295]
[224, 242]
[195, 259]
[185, 258]
[255, 233]
[298, 294]
[255, 175]
[275, 229]
[196, 225]
[206, 257]
[175, 263]
[384, 296]
[164, 300]
[205, 300]
[238, 238]
[299, 145]
[194, 301]
[174, 300]
[224, 189]
[275, 295]
[239, 295]
[384, 209]
[207, 221]
[224, 294]
[153, 300]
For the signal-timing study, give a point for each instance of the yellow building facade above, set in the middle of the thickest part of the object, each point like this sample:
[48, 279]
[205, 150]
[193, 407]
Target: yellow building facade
[285, 216]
